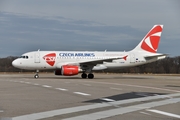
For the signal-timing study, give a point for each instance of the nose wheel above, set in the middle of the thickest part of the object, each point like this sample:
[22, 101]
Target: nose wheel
[36, 75]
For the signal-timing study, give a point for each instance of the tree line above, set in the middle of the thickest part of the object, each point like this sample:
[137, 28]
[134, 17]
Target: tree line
[169, 65]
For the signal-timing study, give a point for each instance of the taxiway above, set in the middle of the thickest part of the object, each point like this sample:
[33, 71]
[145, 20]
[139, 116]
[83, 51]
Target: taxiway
[107, 97]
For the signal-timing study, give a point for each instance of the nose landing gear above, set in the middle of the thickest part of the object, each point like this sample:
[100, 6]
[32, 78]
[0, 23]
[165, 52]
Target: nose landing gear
[36, 75]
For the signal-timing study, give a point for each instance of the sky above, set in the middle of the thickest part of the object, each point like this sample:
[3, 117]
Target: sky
[93, 25]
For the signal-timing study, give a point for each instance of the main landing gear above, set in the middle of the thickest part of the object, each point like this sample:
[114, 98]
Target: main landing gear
[90, 75]
[36, 75]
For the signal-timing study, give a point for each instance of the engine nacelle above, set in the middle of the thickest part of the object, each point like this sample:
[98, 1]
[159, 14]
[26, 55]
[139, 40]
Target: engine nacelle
[68, 70]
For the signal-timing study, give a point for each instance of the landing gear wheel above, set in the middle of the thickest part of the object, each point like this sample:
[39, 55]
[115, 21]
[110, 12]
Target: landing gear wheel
[84, 75]
[90, 76]
[36, 76]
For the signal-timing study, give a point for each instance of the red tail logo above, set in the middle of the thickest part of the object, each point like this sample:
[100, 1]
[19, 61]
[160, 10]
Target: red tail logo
[50, 58]
[151, 40]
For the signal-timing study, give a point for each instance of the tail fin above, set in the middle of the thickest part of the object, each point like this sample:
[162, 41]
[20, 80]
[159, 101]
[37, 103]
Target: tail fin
[151, 41]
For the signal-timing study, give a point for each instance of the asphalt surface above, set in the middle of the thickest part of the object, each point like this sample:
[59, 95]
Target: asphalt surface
[107, 97]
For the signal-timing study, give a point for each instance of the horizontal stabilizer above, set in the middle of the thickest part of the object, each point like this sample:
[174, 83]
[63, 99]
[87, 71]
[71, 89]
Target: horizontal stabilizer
[158, 57]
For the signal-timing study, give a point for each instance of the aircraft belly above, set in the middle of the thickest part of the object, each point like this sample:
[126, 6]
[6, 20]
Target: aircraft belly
[37, 66]
[113, 65]
[118, 65]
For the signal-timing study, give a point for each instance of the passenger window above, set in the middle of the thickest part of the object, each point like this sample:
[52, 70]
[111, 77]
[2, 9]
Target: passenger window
[24, 57]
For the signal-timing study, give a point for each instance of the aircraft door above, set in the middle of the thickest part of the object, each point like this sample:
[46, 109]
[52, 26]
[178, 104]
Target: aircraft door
[132, 58]
[36, 57]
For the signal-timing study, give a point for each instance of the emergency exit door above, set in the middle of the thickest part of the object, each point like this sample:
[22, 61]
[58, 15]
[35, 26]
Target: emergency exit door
[132, 58]
[37, 57]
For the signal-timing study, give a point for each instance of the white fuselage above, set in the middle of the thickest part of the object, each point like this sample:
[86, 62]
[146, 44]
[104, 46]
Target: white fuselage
[39, 59]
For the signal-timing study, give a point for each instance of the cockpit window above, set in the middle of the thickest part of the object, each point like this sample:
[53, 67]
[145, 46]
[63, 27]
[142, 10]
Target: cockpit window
[24, 57]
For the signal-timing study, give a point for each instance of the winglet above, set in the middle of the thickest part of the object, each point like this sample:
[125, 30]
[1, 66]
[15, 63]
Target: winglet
[125, 57]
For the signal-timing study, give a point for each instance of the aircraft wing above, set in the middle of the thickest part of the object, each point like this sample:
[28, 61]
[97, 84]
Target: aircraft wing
[100, 61]
[92, 62]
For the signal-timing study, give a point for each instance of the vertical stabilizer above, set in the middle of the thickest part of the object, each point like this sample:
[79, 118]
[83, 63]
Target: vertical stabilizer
[151, 41]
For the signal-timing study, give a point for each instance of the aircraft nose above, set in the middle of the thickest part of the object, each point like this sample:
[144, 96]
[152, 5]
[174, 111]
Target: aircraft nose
[15, 63]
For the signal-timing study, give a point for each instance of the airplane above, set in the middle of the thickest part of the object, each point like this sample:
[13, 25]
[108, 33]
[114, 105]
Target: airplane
[69, 63]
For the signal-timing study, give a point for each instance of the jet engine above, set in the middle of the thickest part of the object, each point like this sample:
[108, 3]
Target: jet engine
[68, 70]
